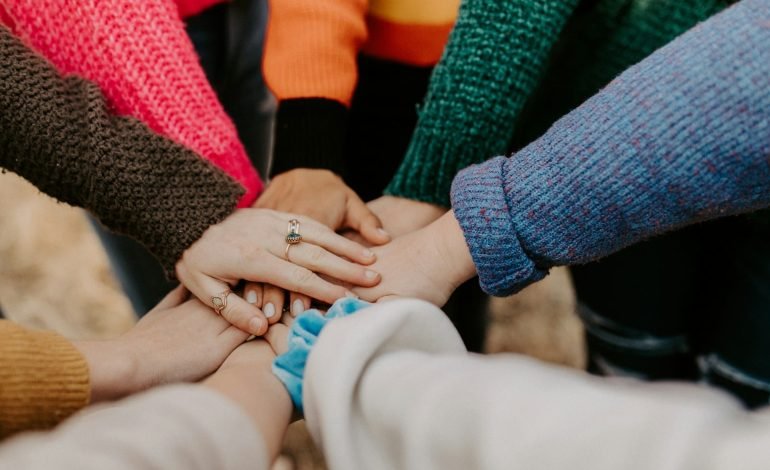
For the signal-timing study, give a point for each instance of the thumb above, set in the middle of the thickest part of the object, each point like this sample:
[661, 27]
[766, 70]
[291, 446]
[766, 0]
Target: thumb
[361, 219]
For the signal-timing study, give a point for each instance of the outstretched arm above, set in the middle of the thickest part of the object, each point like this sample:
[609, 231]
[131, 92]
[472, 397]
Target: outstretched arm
[392, 387]
[59, 134]
[678, 139]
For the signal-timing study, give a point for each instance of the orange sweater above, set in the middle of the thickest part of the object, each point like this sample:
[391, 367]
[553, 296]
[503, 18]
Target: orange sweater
[43, 379]
[311, 45]
[311, 65]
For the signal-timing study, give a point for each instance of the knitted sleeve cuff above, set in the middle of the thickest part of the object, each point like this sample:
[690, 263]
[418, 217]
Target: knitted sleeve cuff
[494, 60]
[479, 203]
[43, 379]
[428, 179]
[289, 367]
[310, 133]
[165, 198]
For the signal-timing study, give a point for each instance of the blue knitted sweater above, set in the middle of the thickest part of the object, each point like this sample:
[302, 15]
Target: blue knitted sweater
[682, 137]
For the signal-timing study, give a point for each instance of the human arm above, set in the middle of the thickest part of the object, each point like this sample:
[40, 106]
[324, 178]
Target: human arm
[380, 383]
[234, 419]
[496, 54]
[60, 135]
[677, 139]
[140, 56]
[179, 426]
[671, 142]
[46, 377]
[310, 66]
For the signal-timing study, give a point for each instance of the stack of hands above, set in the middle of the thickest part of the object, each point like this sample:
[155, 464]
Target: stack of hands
[239, 269]
[245, 269]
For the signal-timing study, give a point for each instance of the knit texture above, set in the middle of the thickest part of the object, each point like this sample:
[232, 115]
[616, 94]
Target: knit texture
[311, 52]
[311, 45]
[512, 68]
[141, 57]
[597, 44]
[57, 133]
[682, 137]
[43, 379]
[494, 59]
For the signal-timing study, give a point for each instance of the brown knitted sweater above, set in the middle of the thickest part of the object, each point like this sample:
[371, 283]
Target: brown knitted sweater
[43, 379]
[58, 133]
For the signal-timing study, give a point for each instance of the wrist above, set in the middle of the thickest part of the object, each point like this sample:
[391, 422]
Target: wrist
[453, 250]
[112, 369]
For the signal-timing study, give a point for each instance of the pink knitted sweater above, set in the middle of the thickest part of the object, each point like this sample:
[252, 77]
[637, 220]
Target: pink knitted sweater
[139, 54]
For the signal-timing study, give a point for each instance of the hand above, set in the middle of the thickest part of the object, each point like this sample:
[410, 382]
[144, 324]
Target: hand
[322, 196]
[428, 264]
[400, 216]
[251, 245]
[177, 341]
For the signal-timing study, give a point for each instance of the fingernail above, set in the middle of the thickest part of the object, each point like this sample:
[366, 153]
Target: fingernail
[350, 294]
[269, 310]
[369, 274]
[255, 324]
[368, 253]
[251, 297]
[297, 307]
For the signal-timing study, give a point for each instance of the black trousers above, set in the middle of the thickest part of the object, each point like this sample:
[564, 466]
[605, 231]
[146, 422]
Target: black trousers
[692, 305]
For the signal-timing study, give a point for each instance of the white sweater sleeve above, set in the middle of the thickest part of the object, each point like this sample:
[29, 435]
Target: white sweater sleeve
[175, 427]
[392, 388]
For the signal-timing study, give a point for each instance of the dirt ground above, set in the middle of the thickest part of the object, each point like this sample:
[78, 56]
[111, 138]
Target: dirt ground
[54, 275]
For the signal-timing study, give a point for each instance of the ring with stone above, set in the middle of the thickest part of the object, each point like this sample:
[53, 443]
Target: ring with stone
[293, 236]
[219, 301]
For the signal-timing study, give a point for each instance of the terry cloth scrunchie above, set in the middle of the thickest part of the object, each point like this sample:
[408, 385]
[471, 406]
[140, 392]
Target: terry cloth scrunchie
[289, 367]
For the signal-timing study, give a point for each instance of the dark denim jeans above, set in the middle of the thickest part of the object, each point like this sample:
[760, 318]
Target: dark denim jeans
[228, 39]
[692, 305]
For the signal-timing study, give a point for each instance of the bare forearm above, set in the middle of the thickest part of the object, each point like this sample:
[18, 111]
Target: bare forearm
[261, 396]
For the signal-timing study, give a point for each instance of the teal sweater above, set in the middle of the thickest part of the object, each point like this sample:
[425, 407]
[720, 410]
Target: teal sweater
[512, 67]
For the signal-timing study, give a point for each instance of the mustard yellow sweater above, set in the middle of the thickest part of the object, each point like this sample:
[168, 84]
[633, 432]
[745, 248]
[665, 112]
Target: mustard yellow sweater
[43, 379]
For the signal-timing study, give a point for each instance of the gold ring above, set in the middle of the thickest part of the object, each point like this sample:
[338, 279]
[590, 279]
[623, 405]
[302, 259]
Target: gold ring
[219, 301]
[292, 235]
[286, 251]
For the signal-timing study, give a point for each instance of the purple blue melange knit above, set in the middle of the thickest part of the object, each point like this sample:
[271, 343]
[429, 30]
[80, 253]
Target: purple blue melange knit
[682, 137]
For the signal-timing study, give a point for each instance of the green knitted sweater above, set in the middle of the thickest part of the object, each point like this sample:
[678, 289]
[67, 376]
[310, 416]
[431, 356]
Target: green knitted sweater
[512, 67]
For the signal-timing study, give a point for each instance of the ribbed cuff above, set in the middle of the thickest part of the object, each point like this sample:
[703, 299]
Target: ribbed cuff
[310, 133]
[480, 206]
[430, 165]
[43, 379]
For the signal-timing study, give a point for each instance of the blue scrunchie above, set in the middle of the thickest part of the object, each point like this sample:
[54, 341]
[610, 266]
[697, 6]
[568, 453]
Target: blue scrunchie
[289, 367]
